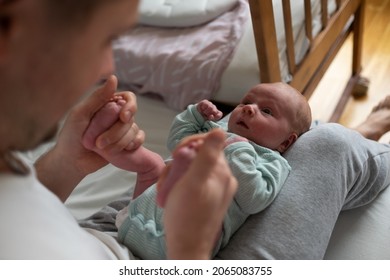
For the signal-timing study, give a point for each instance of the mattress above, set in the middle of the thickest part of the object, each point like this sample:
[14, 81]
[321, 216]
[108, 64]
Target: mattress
[359, 234]
[181, 13]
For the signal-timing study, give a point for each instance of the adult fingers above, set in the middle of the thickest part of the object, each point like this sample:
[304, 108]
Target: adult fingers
[121, 136]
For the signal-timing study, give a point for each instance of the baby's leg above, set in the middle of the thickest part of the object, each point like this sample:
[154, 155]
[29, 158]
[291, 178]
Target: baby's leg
[182, 159]
[146, 163]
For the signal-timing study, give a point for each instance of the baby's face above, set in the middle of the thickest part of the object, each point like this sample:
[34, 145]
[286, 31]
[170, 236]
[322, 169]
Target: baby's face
[264, 115]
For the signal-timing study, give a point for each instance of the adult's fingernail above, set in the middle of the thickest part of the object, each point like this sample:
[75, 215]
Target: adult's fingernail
[127, 116]
[215, 138]
[102, 143]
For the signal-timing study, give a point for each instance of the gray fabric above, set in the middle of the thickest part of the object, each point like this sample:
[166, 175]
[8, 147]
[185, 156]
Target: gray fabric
[104, 220]
[333, 168]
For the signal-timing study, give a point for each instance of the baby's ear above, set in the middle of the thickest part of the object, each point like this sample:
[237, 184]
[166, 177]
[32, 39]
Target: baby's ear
[287, 143]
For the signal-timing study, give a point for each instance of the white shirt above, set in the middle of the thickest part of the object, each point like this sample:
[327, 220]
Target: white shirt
[35, 224]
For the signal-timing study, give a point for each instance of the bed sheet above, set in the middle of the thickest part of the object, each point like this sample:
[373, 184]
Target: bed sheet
[182, 65]
[362, 233]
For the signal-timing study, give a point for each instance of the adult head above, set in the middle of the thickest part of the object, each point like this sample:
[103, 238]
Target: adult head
[51, 52]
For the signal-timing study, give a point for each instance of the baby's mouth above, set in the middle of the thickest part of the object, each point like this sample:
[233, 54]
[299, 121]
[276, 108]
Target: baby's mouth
[241, 123]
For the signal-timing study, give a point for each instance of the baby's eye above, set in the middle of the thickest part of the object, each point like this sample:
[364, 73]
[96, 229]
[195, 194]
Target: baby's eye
[267, 111]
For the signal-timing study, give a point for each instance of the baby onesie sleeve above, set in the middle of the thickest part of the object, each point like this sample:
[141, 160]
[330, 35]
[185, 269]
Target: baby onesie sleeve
[187, 123]
[260, 172]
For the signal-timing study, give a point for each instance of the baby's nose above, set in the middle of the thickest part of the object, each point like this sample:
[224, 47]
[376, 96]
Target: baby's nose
[248, 109]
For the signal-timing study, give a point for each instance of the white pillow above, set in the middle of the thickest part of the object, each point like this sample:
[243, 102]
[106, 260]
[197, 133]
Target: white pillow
[181, 13]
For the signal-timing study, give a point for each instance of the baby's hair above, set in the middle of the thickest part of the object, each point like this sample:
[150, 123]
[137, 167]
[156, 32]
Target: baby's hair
[302, 120]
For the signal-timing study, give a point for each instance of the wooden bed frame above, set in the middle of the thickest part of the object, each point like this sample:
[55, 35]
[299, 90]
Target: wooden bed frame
[306, 75]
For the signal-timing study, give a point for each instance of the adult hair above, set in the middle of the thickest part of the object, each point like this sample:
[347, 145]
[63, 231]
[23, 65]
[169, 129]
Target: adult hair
[66, 13]
[73, 12]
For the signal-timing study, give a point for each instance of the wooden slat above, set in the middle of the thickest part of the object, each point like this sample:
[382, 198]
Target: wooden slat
[357, 28]
[345, 96]
[325, 63]
[290, 49]
[308, 20]
[266, 42]
[358, 39]
[324, 13]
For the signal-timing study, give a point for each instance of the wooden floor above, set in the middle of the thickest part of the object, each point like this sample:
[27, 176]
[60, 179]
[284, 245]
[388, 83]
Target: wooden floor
[376, 67]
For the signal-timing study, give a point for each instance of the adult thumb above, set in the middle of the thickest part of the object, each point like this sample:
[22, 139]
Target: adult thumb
[101, 96]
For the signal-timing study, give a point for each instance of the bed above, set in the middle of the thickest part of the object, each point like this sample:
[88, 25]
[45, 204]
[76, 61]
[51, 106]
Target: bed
[248, 41]
[359, 234]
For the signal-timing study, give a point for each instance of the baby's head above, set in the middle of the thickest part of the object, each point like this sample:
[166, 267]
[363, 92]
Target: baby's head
[272, 115]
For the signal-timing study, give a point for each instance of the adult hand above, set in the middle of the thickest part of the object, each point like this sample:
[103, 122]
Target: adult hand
[196, 205]
[70, 158]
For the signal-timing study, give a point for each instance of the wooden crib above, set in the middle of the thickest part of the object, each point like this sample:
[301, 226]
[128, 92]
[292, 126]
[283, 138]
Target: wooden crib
[306, 75]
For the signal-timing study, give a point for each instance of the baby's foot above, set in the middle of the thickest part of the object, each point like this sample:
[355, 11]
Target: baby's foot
[102, 120]
[146, 163]
[377, 122]
[182, 159]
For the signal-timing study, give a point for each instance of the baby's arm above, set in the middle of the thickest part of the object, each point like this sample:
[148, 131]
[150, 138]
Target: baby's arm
[192, 121]
[209, 111]
[260, 172]
[146, 163]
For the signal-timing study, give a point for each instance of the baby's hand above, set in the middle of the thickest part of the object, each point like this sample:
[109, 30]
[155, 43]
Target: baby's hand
[209, 111]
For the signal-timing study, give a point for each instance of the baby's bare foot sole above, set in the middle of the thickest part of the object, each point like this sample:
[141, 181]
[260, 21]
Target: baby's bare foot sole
[102, 120]
[182, 159]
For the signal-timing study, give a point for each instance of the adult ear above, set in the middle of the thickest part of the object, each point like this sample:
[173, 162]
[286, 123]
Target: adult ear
[287, 143]
[5, 27]
[7, 8]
